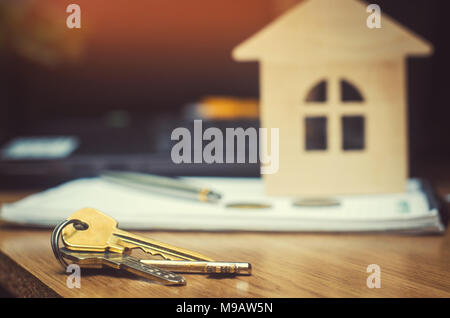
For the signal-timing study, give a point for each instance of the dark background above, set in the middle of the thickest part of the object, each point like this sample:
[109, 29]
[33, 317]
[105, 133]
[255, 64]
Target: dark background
[151, 57]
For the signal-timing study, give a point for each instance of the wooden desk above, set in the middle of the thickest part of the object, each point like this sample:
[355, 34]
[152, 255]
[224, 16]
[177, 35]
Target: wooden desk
[285, 265]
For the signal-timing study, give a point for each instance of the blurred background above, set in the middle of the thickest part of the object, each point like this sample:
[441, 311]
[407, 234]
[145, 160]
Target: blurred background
[129, 73]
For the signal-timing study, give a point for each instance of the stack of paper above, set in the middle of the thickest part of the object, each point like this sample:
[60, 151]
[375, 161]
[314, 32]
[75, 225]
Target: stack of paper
[137, 209]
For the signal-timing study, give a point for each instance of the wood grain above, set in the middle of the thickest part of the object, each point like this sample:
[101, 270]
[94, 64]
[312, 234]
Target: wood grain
[285, 265]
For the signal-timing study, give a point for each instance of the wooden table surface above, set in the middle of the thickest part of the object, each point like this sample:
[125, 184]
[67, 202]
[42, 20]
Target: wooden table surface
[284, 265]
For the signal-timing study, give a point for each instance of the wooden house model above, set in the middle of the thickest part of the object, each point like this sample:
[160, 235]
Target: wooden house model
[337, 91]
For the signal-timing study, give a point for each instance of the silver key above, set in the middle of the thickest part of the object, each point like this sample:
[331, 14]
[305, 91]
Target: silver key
[124, 262]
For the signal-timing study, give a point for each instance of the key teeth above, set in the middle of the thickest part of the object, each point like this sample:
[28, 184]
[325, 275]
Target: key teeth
[164, 256]
[173, 253]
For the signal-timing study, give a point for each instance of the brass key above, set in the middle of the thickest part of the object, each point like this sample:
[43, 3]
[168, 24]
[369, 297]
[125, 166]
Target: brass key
[102, 235]
[123, 262]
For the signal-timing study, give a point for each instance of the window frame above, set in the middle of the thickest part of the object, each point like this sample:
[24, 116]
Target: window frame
[334, 109]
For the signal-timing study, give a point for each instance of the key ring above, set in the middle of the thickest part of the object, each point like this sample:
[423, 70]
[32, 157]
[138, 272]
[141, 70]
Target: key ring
[79, 225]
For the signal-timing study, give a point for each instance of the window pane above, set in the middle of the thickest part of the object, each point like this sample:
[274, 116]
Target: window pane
[318, 93]
[350, 93]
[316, 133]
[353, 136]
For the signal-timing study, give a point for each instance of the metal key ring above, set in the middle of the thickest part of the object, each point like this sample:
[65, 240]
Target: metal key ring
[79, 225]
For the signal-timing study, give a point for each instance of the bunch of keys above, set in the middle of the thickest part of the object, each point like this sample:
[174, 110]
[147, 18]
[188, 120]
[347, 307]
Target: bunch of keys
[95, 241]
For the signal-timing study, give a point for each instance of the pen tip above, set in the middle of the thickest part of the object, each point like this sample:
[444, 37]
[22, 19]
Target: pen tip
[213, 197]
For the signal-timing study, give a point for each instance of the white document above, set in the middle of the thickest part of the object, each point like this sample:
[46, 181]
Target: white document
[138, 209]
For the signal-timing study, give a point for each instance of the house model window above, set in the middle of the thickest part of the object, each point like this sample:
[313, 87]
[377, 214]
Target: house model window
[352, 125]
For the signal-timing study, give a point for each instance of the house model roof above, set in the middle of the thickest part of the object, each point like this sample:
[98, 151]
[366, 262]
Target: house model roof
[318, 30]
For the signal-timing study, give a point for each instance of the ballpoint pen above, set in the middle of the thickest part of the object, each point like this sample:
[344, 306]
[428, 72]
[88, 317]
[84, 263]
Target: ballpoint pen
[162, 185]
